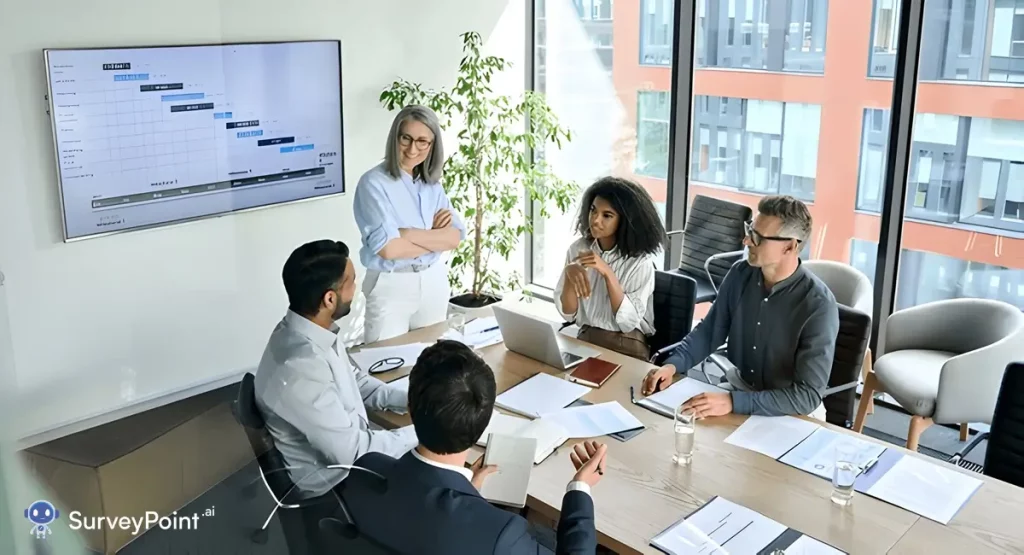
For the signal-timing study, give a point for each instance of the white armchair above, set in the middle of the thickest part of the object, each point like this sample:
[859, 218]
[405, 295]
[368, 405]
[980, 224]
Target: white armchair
[944, 362]
[848, 285]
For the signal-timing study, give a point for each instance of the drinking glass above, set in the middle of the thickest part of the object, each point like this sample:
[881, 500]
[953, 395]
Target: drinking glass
[457, 323]
[685, 427]
[844, 474]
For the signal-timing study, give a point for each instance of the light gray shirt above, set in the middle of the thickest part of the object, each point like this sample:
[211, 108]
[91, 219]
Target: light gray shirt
[314, 403]
[781, 340]
[636, 275]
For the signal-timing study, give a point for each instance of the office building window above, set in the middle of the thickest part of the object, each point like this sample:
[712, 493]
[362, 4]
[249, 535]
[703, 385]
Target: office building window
[656, 32]
[652, 134]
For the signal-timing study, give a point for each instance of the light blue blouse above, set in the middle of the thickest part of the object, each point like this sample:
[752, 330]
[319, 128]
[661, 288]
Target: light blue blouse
[383, 205]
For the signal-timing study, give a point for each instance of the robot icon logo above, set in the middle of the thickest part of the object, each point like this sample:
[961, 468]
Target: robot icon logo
[41, 514]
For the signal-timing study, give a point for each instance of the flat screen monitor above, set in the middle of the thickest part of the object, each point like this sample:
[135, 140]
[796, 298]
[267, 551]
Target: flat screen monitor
[151, 136]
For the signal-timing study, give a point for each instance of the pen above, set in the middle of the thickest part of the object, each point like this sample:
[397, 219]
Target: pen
[495, 328]
[869, 464]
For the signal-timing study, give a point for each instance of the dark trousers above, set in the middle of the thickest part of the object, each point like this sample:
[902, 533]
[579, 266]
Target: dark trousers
[632, 344]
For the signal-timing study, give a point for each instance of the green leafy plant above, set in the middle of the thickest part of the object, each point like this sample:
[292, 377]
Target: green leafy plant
[491, 169]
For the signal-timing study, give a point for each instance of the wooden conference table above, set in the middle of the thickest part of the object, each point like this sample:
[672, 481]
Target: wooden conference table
[643, 492]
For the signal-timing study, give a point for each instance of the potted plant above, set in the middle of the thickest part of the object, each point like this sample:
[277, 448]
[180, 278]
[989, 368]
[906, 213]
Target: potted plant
[490, 169]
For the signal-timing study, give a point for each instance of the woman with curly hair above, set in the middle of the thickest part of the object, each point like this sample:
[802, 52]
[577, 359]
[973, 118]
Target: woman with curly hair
[607, 286]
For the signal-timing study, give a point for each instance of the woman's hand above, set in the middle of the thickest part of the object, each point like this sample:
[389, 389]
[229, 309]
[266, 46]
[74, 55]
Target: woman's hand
[590, 259]
[442, 219]
[576, 277]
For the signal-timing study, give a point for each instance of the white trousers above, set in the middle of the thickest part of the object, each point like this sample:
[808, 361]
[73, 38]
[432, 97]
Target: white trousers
[399, 302]
[738, 383]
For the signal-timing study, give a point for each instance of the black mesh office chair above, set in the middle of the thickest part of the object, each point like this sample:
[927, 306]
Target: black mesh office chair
[840, 397]
[1004, 456]
[300, 518]
[714, 227]
[674, 299]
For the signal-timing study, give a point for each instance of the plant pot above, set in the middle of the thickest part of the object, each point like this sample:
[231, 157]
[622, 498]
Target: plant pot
[472, 306]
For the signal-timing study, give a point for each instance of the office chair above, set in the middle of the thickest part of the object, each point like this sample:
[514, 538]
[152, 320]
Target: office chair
[300, 517]
[674, 299]
[345, 531]
[840, 397]
[1004, 456]
[714, 227]
[943, 362]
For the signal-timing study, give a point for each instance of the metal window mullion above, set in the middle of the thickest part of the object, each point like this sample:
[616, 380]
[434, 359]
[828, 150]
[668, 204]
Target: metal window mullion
[680, 124]
[530, 83]
[897, 166]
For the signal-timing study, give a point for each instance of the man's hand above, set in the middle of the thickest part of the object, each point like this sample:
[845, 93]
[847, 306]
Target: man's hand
[588, 458]
[590, 259]
[710, 404]
[480, 472]
[576, 277]
[658, 379]
[442, 219]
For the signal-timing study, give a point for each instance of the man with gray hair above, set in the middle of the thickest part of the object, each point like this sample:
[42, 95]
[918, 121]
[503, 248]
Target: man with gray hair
[780, 320]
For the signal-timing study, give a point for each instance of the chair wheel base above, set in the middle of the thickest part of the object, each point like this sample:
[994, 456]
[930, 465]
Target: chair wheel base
[260, 537]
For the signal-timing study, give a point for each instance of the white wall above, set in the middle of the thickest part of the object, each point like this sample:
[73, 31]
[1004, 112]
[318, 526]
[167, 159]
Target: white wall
[131, 315]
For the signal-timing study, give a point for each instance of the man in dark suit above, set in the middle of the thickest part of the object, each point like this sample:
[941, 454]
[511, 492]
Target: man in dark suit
[429, 502]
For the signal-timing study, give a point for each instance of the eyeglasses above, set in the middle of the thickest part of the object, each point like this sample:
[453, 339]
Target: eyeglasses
[391, 363]
[406, 140]
[756, 237]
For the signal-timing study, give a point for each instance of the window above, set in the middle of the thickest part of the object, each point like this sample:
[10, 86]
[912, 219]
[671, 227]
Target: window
[751, 132]
[619, 122]
[962, 40]
[656, 32]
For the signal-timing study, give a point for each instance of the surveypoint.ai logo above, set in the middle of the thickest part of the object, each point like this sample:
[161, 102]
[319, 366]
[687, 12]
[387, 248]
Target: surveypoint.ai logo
[41, 514]
[138, 524]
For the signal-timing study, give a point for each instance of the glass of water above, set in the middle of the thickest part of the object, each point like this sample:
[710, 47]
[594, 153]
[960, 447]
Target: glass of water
[457, 323]
[685, 426]
[844, 474]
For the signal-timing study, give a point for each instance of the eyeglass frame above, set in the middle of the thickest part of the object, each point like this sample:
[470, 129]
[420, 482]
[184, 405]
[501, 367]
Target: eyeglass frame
[406, 139]
[756, 237]
[391, 363]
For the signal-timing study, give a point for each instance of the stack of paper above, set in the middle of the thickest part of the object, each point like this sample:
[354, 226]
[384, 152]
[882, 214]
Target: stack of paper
[595, 420]
[548, 435]
[480, 333]
[666, 402]
[817, 453]
[771, 435]
[919, 486]
[382, 359]
[512, 456]
[721, 527]
[540, 395]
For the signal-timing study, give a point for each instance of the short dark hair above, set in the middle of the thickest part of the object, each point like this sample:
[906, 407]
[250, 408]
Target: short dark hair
[451, 397]
[311, 271]
[640, 230]
[796, 218]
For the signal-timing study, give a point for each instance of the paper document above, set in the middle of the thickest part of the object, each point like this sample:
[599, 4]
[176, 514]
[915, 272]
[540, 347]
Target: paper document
[666, 402]
[720, 527]
[475, 340]
[594, 420]
[771, 435]
[549, 435]
[806, 545]
[540, 395]
[513, 456]
[927, 489]
[481, 325]
[817, 453]
[382, 359]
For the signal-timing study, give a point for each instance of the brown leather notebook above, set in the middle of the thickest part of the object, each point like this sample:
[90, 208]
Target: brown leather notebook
[593, 372]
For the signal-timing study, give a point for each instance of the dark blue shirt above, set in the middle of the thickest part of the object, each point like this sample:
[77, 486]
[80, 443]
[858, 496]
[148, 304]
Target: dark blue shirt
[781, 340]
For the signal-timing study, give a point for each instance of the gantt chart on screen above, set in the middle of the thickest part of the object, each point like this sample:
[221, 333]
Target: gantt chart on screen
[151, 136]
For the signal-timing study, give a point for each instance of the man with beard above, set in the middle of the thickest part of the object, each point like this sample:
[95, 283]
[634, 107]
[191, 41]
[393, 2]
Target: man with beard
[313, 400]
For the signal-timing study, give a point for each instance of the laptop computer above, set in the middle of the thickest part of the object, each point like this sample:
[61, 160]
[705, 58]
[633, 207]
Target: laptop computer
[537, 339]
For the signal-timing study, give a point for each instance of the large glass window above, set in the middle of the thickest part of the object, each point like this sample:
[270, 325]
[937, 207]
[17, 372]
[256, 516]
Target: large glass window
[618, 114]
[962, 40]
[961, 236]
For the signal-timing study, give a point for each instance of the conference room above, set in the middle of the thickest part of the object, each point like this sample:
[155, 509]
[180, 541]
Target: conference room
[723, 276]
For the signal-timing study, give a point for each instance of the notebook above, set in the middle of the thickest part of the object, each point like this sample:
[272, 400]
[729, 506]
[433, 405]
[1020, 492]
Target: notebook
[511, 454]
[539, 395]
[549, 436]
[593, 372]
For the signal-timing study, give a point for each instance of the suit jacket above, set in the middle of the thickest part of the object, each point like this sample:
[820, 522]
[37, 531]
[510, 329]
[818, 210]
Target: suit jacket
[428, 510]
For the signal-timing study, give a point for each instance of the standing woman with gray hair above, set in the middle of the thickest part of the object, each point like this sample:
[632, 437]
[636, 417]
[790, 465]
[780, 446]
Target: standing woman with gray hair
[406, 223]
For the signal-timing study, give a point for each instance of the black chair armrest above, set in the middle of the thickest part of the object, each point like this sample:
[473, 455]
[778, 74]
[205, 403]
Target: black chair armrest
[730, 257]
[663, 353]
[839, 389]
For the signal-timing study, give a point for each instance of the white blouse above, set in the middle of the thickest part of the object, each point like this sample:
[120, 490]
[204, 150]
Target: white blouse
[636, 275]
